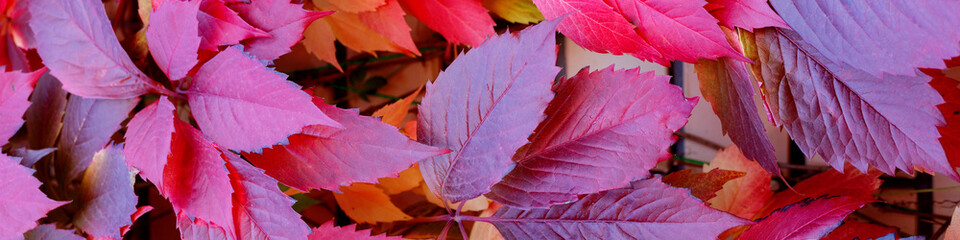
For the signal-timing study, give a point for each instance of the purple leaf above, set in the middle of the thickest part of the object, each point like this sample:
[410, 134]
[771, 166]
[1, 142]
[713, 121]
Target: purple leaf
[198, 229]
[15, 87]
[173, 39]
[148, 138]
[233, 84]
[220, 25]
[605, 129]
[76, 42]
[88, 125]
[808, 219]
[50, 232]
[29, 156]
[106, 195]
[648, 209]
[261, 210]
[196, 181]
[45, 114]
[483, 107]
[21, 201]
[285, 21]
[326, 158]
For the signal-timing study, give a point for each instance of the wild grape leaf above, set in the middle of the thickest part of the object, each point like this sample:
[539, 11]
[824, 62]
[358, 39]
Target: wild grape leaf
[594, 25]
[367, 203]
[852, 229]
[745, 196]
[515, 11]
[76, 42]
[459, 21]
[21, 201]
[703, 186]
[261, 211]
[282, 19]
[50, 232]
[483, 107]
[13, 58]
[219, 25]
[405, 181]
[648, 209]
[15, 88]
[395, 112]
[843, 114]
[808, 219]
[358, 5]
[850, 183]
[233, 84]
[605, 129]
[325, 158]
[148, 138]
[745, 14]
[195, 180]
[875, 37]
[173, 37]
[198, 229]
[141, 210]
[726, 84]
[106, 195]
[355, 34]
[19, 17]
[44, 117]
[349, 232]
[319, 40]
[387, 20]
[88, 125]
[948, 88]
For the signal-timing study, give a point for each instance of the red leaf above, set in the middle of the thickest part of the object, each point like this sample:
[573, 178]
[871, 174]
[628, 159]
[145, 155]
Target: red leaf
[21, 201]
[15, 87]
[594, 25]
[196, 181]
[809, 219]
[220, 25]
[324, 157]
[876, 37]
[76, 42]
[261, 211]
[746, 14]
[843, 114]
[88, 125]
[605, 128]
[44, 117]
[148, 138]
[387, 20]
[233, 84]
[283, 20]
[852, 229]
[852, 184]
[173, 38]
[349, 232]
[106, 195]
[949, 133]
[704, 186]
[648, 209]
[50, 231]
[483, 107]
[459, 21]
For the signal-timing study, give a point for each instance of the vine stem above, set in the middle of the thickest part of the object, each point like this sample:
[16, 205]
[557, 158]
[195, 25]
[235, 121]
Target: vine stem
[440, 218]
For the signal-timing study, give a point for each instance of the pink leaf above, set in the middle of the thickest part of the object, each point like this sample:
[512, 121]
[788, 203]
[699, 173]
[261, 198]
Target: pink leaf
[44, 117]
[261, 211]
[76, 42]
[173, 38]
[648, 209]
[88, 125]
[605, 128]
[220, 25]
[594, 25]
[349, 232]
[483, 107]
[285, 21]
[808, 219]
[21, 201]
[877, 37]
[325, 157]
[845, 114]
[196, 181]
[148, 138]
[106, 195]
[459, 21]
[679, 30]
[726, 84]
[387, 20]
[240, 104]
[198, 229]
[50, 232]
[15, 87]
[746, 14]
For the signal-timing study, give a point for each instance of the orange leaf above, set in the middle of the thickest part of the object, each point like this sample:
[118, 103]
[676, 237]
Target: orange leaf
[388, 21]
[410, 129]
[366, 203]
[318, 39]
[408, 179]
[394, 113]
[357, 5]
[744, 196]
[702, 185]
[483, 230]
[351, 32]
[477, 204]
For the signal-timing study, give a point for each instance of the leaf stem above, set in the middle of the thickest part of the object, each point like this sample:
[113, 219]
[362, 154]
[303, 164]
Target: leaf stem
[440, 218]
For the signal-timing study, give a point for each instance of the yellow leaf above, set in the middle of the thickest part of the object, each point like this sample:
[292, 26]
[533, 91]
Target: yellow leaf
[318, 39]
[407, 180]
[517, 11]
[355, 6]
[394, 113]
[477, 204]
[144, 10]
[744, 196]
[351, 32]
[366, 203]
